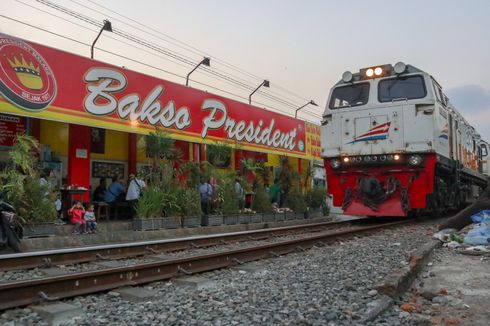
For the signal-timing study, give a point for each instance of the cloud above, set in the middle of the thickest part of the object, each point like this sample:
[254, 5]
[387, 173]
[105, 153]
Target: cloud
[470, 98]
[473, 102]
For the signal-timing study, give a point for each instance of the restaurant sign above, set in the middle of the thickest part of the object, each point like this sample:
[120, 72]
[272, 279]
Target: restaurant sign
[43, 82]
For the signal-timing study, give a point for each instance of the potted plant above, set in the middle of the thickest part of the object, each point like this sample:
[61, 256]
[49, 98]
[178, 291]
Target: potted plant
[20, 181]
[228, 199]
[295, 200]
[149, 210]
[171, 208]
[315, 199]
[190, 207]
[261, 203]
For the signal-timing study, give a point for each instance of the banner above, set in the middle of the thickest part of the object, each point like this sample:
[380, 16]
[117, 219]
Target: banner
[46, 83]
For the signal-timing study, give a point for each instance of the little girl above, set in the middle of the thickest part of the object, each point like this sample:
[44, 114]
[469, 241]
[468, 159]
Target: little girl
[76, 213]
[89, 217]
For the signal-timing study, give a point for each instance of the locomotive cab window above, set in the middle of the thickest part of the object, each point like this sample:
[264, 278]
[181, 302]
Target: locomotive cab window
[349, 95]
[401, 88]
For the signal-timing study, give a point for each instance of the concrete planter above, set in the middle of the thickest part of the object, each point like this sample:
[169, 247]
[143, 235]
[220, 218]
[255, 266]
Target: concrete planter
[39, 230]
[147, 224]
[171, 222]
[244, 218]
[314, 213]
[256, 218]
[269, 217]
[280, 217]
[191, 221]
[212, 220]
[230, 219]
[289, 216]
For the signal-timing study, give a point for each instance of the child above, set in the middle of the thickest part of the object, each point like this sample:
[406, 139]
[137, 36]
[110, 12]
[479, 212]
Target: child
[76, 214]
[89, 217]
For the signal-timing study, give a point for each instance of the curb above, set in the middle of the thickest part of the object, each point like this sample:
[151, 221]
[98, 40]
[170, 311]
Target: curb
[394, 285]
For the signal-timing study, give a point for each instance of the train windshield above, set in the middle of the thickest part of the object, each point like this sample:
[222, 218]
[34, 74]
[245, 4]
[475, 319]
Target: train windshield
[401, 88]
[349, 95]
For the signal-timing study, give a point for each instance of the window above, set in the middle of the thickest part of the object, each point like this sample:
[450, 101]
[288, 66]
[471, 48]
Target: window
[401, 88]
[349, 95]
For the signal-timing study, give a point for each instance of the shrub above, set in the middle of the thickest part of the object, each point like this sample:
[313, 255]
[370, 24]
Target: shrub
[189, 202]
[261, 202]
[295, 200]
[150, 205]
[315, 198]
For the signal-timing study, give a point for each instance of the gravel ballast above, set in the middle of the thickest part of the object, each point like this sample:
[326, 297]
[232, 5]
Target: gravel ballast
[329, 285]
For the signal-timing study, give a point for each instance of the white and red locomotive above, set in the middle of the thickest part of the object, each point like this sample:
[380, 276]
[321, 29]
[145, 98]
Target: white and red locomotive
[393, 145]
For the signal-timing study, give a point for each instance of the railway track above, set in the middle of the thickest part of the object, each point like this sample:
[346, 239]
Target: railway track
[21, 293]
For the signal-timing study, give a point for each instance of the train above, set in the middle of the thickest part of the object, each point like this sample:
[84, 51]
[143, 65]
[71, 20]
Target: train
[393, 145]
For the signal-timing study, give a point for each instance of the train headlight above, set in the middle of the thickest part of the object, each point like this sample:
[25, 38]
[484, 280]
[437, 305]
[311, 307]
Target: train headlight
[369, 72]
[400, 67]
[347, 77]
[396, 157]
[414, 160]
[335, 163]
[346, 159]
[378, 71]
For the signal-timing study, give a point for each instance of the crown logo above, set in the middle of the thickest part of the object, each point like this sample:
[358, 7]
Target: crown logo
[28, 74]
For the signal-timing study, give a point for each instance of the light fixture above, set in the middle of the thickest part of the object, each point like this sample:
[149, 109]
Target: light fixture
[414, 160]
[335, 163]
[106, 27]
[310, 102]
[369, 72]
[205, 62]
[265, 83]
[347, 77]
[400, 67]
[396, 157]
[346, 160]
[378, 71]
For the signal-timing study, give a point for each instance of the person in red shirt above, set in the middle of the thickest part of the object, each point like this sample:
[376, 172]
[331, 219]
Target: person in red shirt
[76, 214]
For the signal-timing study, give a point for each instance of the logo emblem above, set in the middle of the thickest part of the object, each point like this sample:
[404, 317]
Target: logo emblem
[26, 80]
[375, 133]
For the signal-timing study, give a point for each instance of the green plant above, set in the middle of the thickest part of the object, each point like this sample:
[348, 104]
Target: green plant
[150, 205]
[189, 202]
[227, 199]
[315, 198]
[20, 183]
[261, 202]
[295, 200]
[219, 154]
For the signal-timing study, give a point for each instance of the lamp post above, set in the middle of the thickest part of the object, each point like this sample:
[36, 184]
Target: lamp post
[265, 83]
[106, 27]
[310, 102]
[206, 62]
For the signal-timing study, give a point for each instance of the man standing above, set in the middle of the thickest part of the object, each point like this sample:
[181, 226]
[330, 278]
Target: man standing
[135, 188]
[206, 193]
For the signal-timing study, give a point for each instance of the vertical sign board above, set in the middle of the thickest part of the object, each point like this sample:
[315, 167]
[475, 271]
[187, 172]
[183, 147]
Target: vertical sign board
[10, 126]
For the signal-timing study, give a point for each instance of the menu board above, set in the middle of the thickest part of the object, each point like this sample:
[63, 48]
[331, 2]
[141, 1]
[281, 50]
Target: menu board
[107, 170]
[10, 126]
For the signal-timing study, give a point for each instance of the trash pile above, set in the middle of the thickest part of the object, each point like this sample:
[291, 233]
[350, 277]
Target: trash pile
[474, 239]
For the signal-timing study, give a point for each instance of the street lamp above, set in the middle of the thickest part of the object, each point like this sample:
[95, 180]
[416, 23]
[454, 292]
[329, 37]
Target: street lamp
[205, 61]
[106, 27]
[310, 102]
[265, 83]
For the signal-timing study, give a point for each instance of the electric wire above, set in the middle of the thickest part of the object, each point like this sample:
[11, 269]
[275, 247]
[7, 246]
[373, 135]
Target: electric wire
[164, 51]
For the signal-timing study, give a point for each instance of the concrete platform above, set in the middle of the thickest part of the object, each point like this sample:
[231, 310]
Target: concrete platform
[122, 231]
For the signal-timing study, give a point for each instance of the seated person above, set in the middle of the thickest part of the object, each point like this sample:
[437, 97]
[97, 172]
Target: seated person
[76, 213]
[100, 191]
[115, 192]
[89, 217]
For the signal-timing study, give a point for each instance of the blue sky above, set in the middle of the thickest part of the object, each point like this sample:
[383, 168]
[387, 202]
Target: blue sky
[302, 46]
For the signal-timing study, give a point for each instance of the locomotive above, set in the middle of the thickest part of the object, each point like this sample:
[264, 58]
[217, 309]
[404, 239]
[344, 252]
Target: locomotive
[393, 145]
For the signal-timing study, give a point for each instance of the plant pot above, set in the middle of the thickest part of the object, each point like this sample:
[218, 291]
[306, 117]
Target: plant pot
[290, 216]
[280, 217]
[212, 220]
[269, 217]
[171, 222]
[38, 230]
[256, 218]
[230, 219]
[191, 221]
[315, 213]
[244, 218]
[147, 224]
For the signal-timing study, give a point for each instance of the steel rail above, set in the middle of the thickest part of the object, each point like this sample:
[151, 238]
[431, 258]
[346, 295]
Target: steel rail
[21, 293]
[125, 250]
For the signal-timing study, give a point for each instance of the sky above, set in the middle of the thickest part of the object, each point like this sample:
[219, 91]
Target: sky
[301, 47]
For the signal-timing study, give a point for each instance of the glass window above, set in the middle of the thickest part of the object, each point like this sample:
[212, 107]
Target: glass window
[401, 88]
[349, 95]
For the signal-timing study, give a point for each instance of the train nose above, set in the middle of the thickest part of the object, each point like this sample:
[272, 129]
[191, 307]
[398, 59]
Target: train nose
[371, 191]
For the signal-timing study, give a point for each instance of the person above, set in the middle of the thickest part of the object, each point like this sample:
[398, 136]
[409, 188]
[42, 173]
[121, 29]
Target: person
[99, 193]
[115, 192]
[76, 213]
[44, 181]
[135, 188]
[59, 205]
[240, 193]
[274, 191]
[89, 218]
[206, 193]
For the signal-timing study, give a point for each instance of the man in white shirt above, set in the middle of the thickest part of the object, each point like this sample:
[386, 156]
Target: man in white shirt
[135, 188]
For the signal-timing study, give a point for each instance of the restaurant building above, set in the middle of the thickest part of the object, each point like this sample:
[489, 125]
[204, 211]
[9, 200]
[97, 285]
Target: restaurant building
[91, 117]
